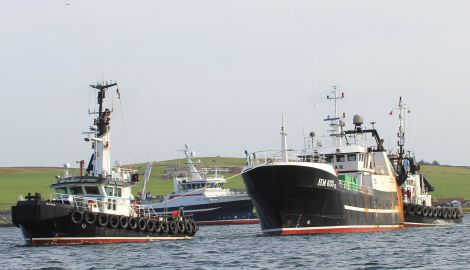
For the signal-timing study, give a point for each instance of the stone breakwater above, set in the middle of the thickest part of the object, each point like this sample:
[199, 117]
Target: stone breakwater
[5, 218]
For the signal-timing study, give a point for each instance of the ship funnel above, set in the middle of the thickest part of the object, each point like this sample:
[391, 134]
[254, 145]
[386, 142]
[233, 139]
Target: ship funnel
[358, 120]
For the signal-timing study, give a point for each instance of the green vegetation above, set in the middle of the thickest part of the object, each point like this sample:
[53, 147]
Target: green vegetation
[448, 181]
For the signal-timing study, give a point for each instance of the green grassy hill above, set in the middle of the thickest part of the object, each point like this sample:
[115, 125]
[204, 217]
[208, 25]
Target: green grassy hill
[448, 181]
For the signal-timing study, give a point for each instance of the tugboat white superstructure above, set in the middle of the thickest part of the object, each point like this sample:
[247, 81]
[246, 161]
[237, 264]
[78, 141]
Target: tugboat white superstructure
[346, 187]
[207, 199]
[97, 206]
[415, 187]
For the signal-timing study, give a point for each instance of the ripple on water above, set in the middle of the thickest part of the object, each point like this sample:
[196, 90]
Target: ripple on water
[240, 247]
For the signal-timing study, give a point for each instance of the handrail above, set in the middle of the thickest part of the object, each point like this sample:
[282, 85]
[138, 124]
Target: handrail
[86, 203]
[355, 187]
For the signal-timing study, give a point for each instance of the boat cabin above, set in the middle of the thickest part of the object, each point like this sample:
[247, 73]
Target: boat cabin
[98, 194]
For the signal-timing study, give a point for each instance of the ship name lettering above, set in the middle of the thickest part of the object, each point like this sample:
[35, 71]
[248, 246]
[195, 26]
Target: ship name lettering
[326, 183]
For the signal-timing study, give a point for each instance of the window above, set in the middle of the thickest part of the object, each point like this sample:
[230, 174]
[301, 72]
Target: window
[351, 157]
[340, 158]
[76, 190]
[91, 190]
[329, 158]
[118, 192]
[61, 190]
[109, 191]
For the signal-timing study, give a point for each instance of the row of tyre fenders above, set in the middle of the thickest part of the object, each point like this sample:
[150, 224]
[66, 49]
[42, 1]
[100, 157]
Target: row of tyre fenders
[178, 225]
[432, 212]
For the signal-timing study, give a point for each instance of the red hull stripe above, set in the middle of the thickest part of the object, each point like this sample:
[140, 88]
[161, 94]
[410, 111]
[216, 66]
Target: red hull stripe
[413, 224]
[228, 222]
[100, 240]
[335, 229]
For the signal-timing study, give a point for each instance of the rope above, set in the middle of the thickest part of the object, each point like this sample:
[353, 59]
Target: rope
[121, 108]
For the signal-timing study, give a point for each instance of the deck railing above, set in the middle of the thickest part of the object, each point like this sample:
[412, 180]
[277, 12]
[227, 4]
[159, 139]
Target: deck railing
[355, 187]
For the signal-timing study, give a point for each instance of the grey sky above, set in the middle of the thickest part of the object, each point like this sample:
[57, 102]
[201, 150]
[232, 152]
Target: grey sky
[218, 74]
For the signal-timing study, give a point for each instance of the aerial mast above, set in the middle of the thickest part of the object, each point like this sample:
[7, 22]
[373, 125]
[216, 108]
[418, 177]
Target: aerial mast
[335, 121]
[100, 163]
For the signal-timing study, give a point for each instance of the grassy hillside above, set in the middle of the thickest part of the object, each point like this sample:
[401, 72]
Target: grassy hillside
[448, 181]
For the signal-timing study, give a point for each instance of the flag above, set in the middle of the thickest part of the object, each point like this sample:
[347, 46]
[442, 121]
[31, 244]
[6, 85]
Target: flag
[118, 94]
[390, 113]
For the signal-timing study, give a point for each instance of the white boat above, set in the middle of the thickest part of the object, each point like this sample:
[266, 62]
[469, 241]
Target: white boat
[207, 198]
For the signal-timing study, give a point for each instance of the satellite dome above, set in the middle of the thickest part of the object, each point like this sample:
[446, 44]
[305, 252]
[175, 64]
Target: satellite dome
[358, 120]
[312, 134]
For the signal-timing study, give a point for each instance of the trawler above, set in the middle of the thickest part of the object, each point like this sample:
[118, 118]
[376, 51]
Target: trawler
[207, 198]
[97, 206]
[415, 186]
[345, 186]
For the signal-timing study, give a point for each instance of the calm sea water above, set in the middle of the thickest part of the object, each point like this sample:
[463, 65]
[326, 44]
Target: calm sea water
[242, 247]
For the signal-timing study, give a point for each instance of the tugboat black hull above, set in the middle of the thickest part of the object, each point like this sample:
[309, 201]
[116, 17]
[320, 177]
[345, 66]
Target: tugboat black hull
[219, 213]
[51, 223]
[296, 199]
[422, 216]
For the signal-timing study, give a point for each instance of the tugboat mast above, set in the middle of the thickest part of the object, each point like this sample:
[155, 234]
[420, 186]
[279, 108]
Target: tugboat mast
[100, 162]
[402, 118]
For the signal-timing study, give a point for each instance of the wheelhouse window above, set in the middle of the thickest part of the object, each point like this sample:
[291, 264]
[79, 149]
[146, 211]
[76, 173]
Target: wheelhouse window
[61, 190]
[329, 159]
[351, 157]
[340, 158]
[118, 192]
[92, 190]
[75, 190]
[109, 191]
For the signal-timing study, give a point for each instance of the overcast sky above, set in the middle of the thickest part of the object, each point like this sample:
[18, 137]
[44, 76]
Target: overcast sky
[219, 74]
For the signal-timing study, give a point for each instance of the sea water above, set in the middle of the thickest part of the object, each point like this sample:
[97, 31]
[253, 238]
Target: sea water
[243, 247]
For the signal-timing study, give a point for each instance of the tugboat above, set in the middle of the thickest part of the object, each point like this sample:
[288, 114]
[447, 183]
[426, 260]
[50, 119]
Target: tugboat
[347, 187]
[97, 206]
[415, 187]
[210, 202]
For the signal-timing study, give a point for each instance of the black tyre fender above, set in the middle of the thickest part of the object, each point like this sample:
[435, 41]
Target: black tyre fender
[124, 222]
[165, 226]
[419, 210]
[195, 227]
[142, 223]
[158, 226]
[412, 209]
[174, 227]
[435, 212]
[90, 217]
[427, 211]
[181, 227]
[445, 213]
[133, 223]
[114, 221]
[103, 220]
[76, 216]
[150, 224]
[189, 227]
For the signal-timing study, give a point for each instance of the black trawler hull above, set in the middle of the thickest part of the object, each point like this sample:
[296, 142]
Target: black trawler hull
[219, 213]
[423, 216]
[297, 199]
[51, 223]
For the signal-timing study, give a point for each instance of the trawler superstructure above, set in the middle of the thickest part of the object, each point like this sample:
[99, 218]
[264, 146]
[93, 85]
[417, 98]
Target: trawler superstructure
[347, 186]
[207, 198]
[97, 206]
